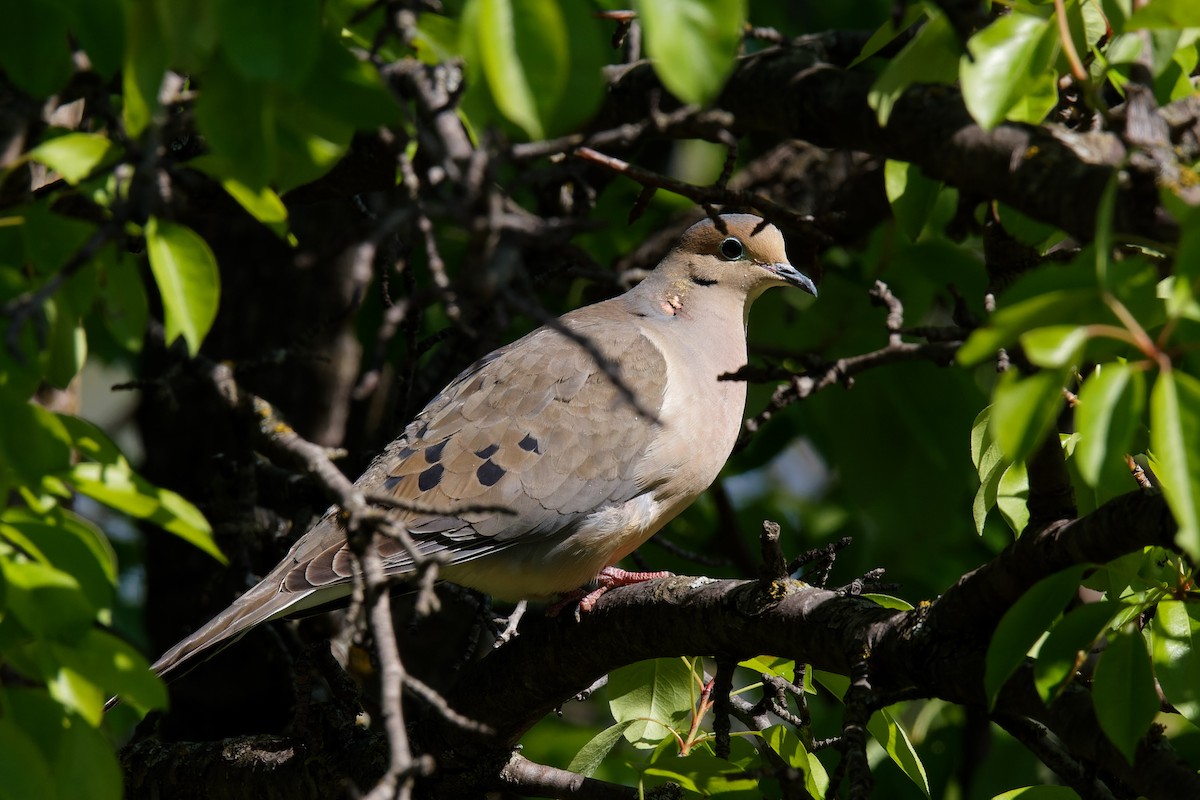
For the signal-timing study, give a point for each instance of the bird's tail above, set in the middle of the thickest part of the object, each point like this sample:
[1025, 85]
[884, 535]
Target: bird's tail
[262, 602]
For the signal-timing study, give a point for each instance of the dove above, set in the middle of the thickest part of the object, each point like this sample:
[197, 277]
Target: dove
[541, 466]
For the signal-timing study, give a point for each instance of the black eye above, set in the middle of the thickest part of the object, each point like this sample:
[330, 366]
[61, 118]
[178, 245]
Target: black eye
[732, 249]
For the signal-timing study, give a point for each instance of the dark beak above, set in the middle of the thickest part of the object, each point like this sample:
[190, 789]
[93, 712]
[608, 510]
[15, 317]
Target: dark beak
[792, 275]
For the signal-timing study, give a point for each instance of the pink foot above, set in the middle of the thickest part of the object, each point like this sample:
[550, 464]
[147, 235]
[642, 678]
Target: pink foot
[609, 578]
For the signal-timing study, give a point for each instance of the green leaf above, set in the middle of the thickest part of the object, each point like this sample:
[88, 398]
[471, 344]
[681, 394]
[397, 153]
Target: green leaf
[592, 755]
[1107, 415]
[144, 67]
[437, 38]
[911, 194]
[85, 758]
[895, 741]
[263, 204]
[186, 273]
[992, 465]
[1174, 431]
[23, 764]
[1126, 702]
[1011, 62]
[692, 43]
[99, 27]
[887, 601]
[1104, 233]
[346, 89]
[787, 744]
[1007, 324]
[1165, 14]
[33, 442]
[120, 488]
[69, 543]
[1039, 793]
[1186, 266]
[238, 119]
[653, 696]
[73, 155]
[1024, 409]
[1176, 660]
[113, 668]
[1068, 643]
[67, 348]
[705, 774]
[887, 32]
[47, 601]
[523, 48]
[34, 47]
[123, 302]
[1055, 345]
[1012, 496]
[1023, 624]
[271, 40]
[931, 57]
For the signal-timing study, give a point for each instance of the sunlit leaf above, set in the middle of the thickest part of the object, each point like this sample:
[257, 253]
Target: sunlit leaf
[787, 744]
[1107, 415]
[1165, 14]
[128, 492]
[692, 43]
[1176, 660]
[1010, 63]
[523, 47]
[1024, 409]
[1174, 431]
[911, 194]
[888, 732]
[73, 155]
[653, 696]
[46, 600]
[1012, 495]
[1039, 793]
[188, 281]
[1054, 345]
[1007, 324]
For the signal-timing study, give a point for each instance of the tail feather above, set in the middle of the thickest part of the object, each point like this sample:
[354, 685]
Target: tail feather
[261, 603]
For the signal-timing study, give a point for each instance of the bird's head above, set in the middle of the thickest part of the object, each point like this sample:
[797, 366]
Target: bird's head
[748, 257]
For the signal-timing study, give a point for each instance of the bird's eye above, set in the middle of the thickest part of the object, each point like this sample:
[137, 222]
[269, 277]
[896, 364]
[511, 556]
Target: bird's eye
[732, 249]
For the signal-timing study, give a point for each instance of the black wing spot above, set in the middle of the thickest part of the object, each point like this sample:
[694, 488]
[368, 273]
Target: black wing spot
[405, 453]
[430, 477]
[391, 482]
[488, 451]
[489, 473]
[434, 454]
[529, 444]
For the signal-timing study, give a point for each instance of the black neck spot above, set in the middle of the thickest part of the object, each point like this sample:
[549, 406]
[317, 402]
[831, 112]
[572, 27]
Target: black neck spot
[703, 281]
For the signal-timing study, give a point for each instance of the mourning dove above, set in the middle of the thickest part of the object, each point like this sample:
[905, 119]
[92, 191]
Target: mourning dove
[586, 462]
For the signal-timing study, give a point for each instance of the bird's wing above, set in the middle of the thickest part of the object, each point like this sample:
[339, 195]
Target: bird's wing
[521, 446]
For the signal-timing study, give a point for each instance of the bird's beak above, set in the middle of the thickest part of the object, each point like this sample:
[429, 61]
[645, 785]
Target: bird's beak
[790, 274]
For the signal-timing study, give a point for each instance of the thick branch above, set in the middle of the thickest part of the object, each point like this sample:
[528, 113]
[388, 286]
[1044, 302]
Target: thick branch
[794, 93]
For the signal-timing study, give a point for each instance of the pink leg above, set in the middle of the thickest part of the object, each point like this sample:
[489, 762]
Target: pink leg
[609, 578]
